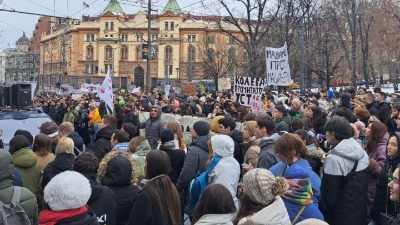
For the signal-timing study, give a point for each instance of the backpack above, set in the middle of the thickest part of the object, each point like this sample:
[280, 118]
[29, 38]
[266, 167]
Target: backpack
[13, 213]
[200, 182]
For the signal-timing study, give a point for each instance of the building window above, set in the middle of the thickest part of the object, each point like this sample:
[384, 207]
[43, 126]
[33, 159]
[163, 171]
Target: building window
[108, 66]
[138, 55]
[124, 37]
[172, 25]
[106, 27]
[166, 25]
[168, 53]
[139, 37]
[210, 40]
[191, 53]
[89, 52]
[191, 38]
[109, 53]
[90, 37]
[124, 52]
[154, 37]
[89, 68]
[111, 25]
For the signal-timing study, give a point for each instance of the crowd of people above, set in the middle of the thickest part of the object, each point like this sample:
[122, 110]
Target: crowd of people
[324, 157]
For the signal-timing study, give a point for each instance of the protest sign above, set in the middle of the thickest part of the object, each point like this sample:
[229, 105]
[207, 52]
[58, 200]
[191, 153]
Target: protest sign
[224, 83]
[278, 71]
[135, 90]
[245, 88]
[257, 105]
[189, 88]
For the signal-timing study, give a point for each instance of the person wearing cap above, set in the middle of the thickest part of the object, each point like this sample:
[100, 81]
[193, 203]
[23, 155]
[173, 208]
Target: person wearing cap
[66, 196]
[282, 120]
[51, 130]
[261, 202]
[195, 159]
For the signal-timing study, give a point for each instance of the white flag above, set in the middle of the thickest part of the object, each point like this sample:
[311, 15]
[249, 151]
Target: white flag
[106, 91]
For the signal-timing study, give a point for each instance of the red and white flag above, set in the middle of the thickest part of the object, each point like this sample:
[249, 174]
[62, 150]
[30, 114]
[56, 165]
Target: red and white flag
[106, 91]
[85, 5]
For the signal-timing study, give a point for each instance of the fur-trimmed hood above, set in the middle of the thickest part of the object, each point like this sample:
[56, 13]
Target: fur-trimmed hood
[115, 169]
[315, 152]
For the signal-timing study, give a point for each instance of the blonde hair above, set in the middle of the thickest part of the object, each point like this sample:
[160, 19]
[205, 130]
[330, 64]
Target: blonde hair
[280, 186]
[177, 129]
[65, 145]
[66, 127]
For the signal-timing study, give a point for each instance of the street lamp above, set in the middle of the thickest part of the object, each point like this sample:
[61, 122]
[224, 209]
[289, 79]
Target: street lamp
[177, 75]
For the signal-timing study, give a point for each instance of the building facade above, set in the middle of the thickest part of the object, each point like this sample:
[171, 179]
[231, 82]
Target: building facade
[83, 51]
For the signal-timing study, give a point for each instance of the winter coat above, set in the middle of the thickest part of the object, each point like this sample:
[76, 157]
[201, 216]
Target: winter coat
[140, 157]
[267, 157]
[213, 219]
[252, 150]
[314, 157]
[299, 195]
[227, 171]
[102, 144]
[397, 220]
[283, 124]
[128, 117]
[373, 109]
[102, 201]
[79, 216]
[280, 168]
[176, 157]
[25, 162]
[78, 142]
[319, 125]
[145, 210]
[116, 173]
[345, 177]
[383, 112]
[378, 153]
[17, 178]
[275, 213]
[153, 128]
[45, 160]
[27, 199]
[62, 162]
[237, 137]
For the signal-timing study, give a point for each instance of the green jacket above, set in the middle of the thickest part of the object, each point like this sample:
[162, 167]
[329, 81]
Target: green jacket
[26, 163]
[27, 199]
[140, 157]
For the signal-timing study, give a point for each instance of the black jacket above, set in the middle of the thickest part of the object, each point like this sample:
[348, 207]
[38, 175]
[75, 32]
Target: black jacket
[384, 112]
[373, 109]
[177, 158]
[78, 142]
[128, 117]
[87, 218]
[62, 162]
[237, 138]
[102, 144]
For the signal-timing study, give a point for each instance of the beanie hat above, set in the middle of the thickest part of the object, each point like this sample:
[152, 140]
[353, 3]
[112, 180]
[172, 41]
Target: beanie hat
[49, 128]
[215, 124]
[121, 102]
[167, 135]
[202, 128]
[67, 190]
[25, 133]
[360, 126]
[250, 127]
[262, 187]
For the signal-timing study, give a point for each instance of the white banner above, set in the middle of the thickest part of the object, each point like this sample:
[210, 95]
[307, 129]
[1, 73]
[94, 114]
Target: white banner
[135, 90]
[106, 92]
[246, 88]
[278, 70]
[257, 105]
[224, 83]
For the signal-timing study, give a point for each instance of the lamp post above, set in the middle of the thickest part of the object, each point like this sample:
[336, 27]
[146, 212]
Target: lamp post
[177, 75]
[148, 71]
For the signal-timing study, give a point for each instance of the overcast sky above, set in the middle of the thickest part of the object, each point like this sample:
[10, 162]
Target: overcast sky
[13, 24]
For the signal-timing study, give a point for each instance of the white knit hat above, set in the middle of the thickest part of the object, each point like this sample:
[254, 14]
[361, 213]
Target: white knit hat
[67, 190]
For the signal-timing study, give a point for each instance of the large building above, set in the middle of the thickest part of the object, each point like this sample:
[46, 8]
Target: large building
[82, 51]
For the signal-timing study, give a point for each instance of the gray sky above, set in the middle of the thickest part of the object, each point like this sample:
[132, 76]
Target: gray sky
[13, 24]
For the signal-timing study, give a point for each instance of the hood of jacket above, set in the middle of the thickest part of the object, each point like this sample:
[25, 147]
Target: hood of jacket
[220, 219]
[265, 141]
[143, 148]
[349, 149]
[96, 187]
[237, 136]
[116, 169]
[105, 132]
[64, 161]
[201, 142]
[121, 146]
[222, 145]
[300, 191]
[78, 141]
[159, 111]
[24, 158]
[6, 168]
[315, 152]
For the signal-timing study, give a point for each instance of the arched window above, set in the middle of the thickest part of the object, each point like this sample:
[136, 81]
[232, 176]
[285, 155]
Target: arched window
[211, 54]
[191, 53]
[109, 53]
[89, 52]
[124, 52]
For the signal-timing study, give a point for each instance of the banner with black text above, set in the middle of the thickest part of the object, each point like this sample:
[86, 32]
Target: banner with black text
[278, 70]
[247, 88]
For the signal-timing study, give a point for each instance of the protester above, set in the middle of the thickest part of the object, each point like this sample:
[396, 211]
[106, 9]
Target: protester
[265, 132]
[50, 129]
[119, 140]
[102, 144]
[130, 129]
[251, 144]
[179, 138]
[227, 126]
[394, 190]
[314, 154]
[139, 147]
[42, 149]
[153, 126]
[66, 129]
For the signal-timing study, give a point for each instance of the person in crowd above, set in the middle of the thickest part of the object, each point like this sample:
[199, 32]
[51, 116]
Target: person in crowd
[332, 106]
[261, 202]
[292, 151]
[227, 126]
[118, 111]
[251, 144]
[25, 162]
[153, 126]
[94, 118]
[345, 176]
[179, 139]
[227, 171]
[130, 129]
[298, 109]
[377, 138]
[383, 107]
[391, 124]
[117, 170]
[119, 140]
[219, 110]
[371, 105]
[215, 124]
[50, 129]
[298, 124]
[282, 120]
[158, 202]
[66, 196]
[67, 129]
[62, 162]
[298, 198]
[83, 130]
[102, 143]
[129, 115]
[27, 134]
[195, 160]
[42, 149]
[394, 190]
[102, 200]
[215, 206]
[139, 147]
[344, 102]
[27, 199]
[362, 114]
[176, 155]
[264, 131]
[382, 203]
[314, 154]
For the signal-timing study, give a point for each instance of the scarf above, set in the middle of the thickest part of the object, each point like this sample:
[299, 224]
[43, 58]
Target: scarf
[299, 191]
[49, 217]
